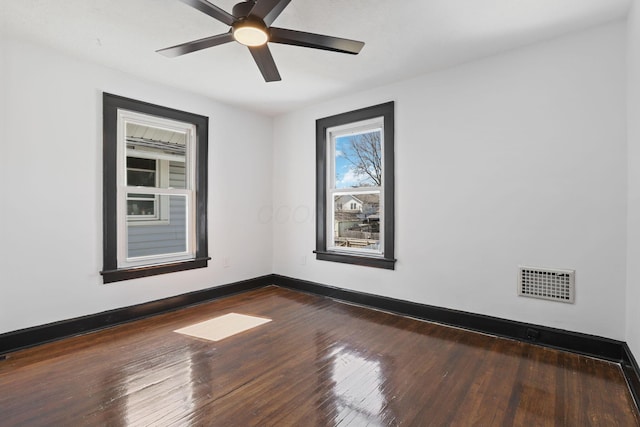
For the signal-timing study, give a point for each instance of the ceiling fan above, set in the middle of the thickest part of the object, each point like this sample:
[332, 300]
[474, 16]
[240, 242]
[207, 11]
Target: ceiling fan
[250, 23]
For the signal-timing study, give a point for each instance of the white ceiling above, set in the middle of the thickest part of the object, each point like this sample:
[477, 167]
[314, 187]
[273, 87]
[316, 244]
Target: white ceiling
[403, 39]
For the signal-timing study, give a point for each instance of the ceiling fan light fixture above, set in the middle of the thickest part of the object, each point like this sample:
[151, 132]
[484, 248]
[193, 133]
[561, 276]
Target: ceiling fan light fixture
[250, 35]
[250, 23]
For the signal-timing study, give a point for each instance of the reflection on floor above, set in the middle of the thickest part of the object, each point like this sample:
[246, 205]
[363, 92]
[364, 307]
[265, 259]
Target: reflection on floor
[319, 363]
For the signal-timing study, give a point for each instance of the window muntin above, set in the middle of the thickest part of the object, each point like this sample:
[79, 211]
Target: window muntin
[170, 190]
[354, 187]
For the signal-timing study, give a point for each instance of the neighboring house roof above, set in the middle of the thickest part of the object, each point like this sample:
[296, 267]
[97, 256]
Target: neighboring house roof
[348, 198]
[372, 199]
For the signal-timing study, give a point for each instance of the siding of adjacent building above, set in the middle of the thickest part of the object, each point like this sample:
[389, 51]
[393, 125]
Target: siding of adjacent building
[168, 238]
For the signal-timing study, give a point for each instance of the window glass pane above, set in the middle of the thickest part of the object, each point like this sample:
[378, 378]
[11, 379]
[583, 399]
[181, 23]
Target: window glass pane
[141, 164]
[358, 160]
[159, 150]
[356, 220]
[166, 235]
[141, 178]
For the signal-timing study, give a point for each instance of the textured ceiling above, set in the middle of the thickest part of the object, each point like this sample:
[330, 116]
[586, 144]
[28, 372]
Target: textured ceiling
[403, 39]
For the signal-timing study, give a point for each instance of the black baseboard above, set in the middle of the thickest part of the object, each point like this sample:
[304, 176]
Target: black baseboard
[631, 373]
[602, 348]
[29, 337]
[589, 345]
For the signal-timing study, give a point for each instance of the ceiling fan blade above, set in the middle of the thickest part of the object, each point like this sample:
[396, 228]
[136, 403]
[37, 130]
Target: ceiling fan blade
[265, 62]
[315, 41]
[268, 10]
[211, 10]
[196, 45]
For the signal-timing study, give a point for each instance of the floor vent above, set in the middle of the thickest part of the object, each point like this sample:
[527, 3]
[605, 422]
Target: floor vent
[547, 283]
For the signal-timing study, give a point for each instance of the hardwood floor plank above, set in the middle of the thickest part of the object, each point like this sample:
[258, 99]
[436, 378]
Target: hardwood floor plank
[317, 363]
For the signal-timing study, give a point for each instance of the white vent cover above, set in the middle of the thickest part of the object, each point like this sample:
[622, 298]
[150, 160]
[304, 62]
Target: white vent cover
[547, 283]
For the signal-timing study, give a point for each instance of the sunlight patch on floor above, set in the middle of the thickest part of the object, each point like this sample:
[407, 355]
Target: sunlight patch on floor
[222, 327]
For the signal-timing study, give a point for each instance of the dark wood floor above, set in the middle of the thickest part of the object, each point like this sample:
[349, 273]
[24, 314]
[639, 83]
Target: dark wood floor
[318, 363]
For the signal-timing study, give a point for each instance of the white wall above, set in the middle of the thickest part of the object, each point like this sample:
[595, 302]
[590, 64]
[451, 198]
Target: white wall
[515, 159]
[633, 138]
[51, 199]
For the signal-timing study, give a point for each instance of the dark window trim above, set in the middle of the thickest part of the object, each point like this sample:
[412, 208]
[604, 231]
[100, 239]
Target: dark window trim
[386, 111]
[110, 106]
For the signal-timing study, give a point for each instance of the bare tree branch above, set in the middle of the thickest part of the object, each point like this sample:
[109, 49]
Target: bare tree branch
[366, 157]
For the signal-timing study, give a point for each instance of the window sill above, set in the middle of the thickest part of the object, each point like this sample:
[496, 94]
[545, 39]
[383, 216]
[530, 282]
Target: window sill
[386, 263]
[118, 275]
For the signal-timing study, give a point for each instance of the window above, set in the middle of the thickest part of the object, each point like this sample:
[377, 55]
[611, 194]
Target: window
[155, 177]
[354, 187]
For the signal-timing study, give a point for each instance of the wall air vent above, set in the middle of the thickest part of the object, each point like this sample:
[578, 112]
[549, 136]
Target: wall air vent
[547, 283]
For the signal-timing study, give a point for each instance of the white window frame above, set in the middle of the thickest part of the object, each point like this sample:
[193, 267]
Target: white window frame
[123, 118]
[351, 129]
